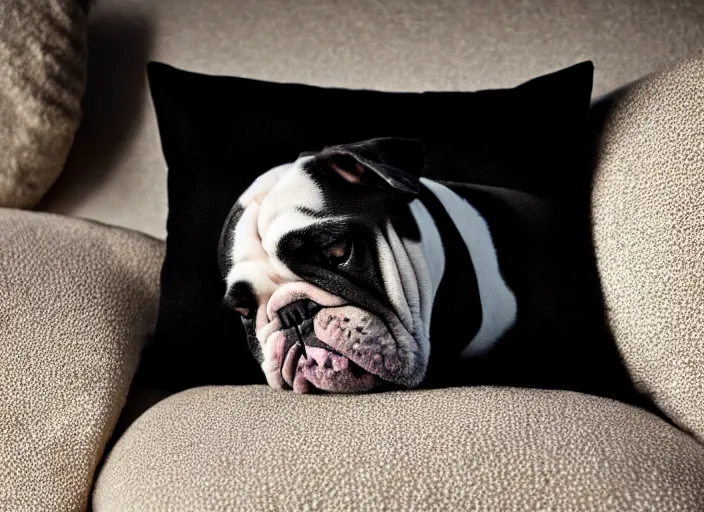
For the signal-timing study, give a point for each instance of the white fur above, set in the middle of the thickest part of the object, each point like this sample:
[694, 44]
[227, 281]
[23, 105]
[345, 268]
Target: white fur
[261, 186]
[428, 258]
[389, 257]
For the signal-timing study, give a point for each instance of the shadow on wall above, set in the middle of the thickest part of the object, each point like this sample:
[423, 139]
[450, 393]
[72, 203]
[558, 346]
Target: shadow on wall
[119, 45]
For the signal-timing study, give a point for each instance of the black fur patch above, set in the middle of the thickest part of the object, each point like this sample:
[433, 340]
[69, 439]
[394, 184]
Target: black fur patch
[227, 237]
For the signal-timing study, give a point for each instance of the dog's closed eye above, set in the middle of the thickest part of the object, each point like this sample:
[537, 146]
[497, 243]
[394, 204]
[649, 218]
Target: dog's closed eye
[337, 252]
[328, 246]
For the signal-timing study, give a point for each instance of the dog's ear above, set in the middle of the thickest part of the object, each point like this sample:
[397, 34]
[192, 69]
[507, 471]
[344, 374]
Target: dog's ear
[393, 164]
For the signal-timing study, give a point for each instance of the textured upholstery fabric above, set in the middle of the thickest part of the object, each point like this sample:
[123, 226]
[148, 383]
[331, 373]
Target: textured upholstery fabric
[77, 300]
[42, 76]
[648, 215]
[116, 171]
[252, 448]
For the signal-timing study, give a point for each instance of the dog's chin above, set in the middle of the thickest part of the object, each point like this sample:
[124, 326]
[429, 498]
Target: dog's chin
[344, 349]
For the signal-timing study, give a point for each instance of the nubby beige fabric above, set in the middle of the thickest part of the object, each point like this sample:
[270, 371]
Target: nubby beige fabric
[77, 301]
[648, 211]
[42, 77]
[482, 449]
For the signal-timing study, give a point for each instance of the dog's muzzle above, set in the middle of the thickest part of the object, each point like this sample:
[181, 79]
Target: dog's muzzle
[314, 340]
[307, 362]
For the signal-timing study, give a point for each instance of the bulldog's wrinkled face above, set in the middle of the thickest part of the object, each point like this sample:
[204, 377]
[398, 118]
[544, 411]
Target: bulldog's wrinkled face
[322, 259]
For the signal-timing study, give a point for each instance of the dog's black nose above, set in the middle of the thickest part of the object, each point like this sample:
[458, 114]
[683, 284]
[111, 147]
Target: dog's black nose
[297, 312]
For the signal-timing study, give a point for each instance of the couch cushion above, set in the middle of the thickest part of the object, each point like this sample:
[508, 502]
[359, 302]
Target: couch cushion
[77, 300]
[42, 76]
[252, 448]
[649, 232]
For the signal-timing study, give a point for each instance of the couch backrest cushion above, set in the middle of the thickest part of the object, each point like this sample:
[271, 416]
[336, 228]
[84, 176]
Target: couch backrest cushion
[648, 221]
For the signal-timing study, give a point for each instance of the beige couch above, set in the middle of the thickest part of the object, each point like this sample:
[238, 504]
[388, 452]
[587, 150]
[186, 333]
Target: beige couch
[78, 298]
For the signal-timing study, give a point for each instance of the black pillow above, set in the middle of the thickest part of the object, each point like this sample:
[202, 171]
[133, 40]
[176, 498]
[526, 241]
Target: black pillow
[218, 133]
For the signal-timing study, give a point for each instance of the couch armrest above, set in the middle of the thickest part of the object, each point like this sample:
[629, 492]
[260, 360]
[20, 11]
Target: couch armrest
[77, 301]
[648, 222]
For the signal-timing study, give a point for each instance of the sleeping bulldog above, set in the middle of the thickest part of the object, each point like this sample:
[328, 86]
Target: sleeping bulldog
[351, 272]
